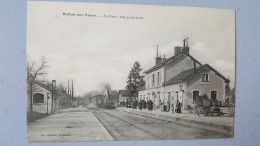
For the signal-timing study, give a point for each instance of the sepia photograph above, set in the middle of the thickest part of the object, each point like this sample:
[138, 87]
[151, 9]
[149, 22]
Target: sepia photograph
[112, 72]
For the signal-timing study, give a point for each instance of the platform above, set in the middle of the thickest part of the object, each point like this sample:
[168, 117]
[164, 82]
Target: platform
[76, 124]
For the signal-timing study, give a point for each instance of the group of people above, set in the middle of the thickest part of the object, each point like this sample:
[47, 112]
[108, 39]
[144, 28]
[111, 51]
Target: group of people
[142, 104]
[134, 104]
[131, 104]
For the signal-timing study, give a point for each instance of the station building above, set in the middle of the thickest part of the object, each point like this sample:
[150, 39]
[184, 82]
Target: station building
[181, 77]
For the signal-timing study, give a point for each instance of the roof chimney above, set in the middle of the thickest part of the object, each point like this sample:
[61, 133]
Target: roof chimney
[177, 50]
[164, 58]
[157, 59]
[195, 67]
[187, 41]
[157, 51]
[185, 48]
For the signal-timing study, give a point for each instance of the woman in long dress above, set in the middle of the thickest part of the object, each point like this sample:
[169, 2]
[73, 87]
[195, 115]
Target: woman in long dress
[178, 105]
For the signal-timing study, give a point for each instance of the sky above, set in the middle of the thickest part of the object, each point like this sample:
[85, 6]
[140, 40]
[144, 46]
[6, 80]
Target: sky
[97, 46]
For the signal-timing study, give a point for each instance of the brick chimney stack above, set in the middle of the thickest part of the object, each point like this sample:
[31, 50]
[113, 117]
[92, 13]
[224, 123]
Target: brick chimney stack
[177, 50]
[185, 48]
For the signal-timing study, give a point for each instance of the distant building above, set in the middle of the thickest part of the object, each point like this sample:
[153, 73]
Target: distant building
[124, 95]
[97, 99]
[230, 97]
[93, 100]
[182, 77]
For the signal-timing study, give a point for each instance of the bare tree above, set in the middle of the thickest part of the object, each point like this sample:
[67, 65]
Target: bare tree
[34, 70]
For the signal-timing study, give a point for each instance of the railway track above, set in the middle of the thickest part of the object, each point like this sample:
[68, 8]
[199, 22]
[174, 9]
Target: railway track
[130, 126]
[225, 133]
[123, 135]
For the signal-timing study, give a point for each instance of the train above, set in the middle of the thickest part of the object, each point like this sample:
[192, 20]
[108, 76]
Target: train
[108, 101]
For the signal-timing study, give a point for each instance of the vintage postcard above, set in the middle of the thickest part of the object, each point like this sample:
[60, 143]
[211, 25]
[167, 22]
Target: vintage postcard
[102, 72]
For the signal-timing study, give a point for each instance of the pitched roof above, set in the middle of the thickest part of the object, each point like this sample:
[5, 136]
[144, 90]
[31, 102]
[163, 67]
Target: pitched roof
[42, 85]
[180, 77]
[96, 97]
[142, 87]
[188, 73]
[125, 93]
[217, 73]
[161, 64]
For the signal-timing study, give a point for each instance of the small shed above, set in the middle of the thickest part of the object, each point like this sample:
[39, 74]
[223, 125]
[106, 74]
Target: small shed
[41, 98]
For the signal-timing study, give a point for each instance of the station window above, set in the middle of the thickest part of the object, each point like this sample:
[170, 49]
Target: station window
[148, 82]
[158, 82]
[38, 98]
[196, 94]
[205, 77]
[153, 80]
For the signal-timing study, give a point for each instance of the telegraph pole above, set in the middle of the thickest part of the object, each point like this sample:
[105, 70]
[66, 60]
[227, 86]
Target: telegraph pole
[31, 96]
[70, 94]
[72, 91]
[69, 89]
[53, 86]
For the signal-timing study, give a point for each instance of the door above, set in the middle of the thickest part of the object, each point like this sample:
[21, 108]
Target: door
[214, 95]
[196, 94]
